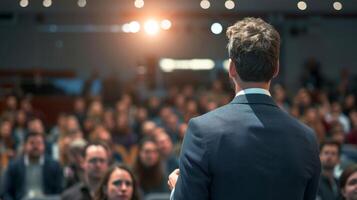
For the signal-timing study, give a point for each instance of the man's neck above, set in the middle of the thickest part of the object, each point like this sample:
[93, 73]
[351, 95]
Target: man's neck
[247, 85]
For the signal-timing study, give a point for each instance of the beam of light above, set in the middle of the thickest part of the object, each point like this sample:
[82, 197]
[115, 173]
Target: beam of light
[126, 28]
[169, 65]
[216, 28]
[205, 4]
[82, 3]
[47, 3]
[24, 3]
[151, 27]
[337, 5]
[166, 24]
[302, 5]
[229, 4]
[139, 3]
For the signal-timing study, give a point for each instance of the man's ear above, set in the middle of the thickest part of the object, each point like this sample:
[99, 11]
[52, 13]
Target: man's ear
[232, 69]
[277, 69]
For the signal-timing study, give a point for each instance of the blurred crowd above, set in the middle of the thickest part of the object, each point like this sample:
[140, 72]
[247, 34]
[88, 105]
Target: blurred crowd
[81, 152]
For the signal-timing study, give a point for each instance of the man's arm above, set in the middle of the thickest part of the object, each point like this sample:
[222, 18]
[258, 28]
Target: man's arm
[194, 179]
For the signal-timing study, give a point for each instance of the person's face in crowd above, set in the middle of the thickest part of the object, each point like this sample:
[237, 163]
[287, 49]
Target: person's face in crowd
[336, 109]
[180, 101]
[329, 157]
[311, 115]
[303, 97]
[121, 107]
[182, 130]
[154, 102]
[72, 123]
[89, 124]
[172, 121]
[126, 99]
[36, 126]
[141, 114]
[148, 128]
[62, 122]
[350, 189]
[96, 108]
[149, 154]
[164, 144]
[108, 115]
[122, 121]
[217, 86]
[5, 129]
[26, 105]
[35, 146]
[102, 134]
[79, 105]
[120, 185]
[165, 112]
[95, 161]
[11, 103]
[188, 91]
[211, 106]
[350, 101]
[191, 106]
[21, 118]
[338, 134]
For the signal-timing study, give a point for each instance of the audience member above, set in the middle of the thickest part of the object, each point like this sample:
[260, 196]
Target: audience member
[148, 168]
[348, 183]
[96, 162]
[330, 157]
[34, 174]
[118, 183]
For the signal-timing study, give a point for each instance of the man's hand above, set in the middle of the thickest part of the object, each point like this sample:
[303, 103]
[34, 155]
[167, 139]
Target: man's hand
[173, 178]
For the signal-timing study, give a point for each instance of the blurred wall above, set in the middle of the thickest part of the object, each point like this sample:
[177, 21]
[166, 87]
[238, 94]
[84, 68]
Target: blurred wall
[25, 45]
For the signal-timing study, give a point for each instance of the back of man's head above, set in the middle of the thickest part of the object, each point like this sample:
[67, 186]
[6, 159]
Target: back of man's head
[254, 48]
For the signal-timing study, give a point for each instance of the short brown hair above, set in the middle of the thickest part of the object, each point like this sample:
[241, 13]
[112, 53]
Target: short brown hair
[254, 47]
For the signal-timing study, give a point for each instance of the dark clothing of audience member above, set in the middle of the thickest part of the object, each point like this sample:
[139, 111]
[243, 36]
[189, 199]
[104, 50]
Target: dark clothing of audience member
[328, 190]
[77, 192]
[15, 178]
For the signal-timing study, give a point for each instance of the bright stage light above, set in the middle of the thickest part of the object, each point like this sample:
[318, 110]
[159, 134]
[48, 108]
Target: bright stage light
[47, 3]
[165, 24]
[24, 3]
[126, 28]
[151, 27]
[229, 4]
[169, 65]
[302, 5]
[337, 5]
[216, 28]
[134, 26]
[82, 3]
[139, 3]
[205, 4]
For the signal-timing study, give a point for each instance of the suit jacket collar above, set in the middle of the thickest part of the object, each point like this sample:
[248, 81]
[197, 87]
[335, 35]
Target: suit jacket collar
[254, 99]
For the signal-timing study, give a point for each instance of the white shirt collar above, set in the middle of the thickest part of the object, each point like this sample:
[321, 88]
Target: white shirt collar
[253, 91]
[27, 160]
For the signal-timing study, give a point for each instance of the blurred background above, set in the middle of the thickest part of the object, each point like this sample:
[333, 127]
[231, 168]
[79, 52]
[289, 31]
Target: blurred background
[123, 70]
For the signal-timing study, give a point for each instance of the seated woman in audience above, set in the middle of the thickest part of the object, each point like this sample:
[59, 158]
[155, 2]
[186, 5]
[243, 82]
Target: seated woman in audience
[348, 183]
[148, 168]
[118, 183]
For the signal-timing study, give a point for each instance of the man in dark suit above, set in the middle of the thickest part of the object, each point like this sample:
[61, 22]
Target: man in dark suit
[249, 149]
[33, 175]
